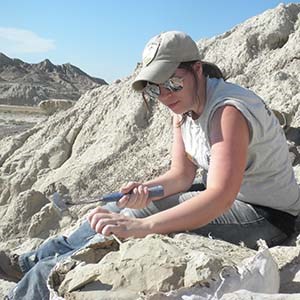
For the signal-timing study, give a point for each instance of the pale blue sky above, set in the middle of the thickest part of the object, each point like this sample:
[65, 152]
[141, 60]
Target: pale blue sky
[105, 38]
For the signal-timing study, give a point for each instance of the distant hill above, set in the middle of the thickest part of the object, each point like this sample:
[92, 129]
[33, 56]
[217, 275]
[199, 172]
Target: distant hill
[23, 83]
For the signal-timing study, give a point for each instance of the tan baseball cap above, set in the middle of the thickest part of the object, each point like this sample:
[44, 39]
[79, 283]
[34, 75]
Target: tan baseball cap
[162, 56]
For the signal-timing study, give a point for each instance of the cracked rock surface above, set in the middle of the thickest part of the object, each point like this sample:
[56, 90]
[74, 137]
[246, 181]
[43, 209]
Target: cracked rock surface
[109, 137]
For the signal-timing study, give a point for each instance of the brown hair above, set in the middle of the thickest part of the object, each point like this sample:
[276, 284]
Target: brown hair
[209, 70]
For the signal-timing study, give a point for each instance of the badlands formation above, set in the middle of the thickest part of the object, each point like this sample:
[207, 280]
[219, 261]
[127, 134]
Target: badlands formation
[22, 83]
[109, 137]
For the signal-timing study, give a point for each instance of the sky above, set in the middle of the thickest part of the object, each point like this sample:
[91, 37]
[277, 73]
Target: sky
[105, 38]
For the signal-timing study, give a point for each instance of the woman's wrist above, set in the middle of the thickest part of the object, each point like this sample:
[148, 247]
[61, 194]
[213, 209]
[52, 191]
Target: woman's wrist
[154, 224]
[149, 225]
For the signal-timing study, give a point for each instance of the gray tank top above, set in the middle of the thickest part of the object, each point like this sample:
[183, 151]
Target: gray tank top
[269, 178]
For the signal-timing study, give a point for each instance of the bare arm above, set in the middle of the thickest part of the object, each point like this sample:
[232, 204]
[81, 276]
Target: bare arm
[178, 179]
[229, 140]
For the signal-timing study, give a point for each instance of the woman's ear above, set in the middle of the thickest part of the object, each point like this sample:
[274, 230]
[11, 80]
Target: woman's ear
[198, 68]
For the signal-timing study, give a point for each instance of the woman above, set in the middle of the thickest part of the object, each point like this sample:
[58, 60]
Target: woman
[249, 186]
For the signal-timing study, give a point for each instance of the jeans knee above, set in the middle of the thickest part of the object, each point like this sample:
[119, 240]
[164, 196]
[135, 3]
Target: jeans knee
[55, 246]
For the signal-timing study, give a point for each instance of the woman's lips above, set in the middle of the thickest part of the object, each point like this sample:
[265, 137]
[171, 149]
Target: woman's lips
[172, 105]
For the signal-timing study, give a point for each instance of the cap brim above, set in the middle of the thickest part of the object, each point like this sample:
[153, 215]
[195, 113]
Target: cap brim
[157, 72]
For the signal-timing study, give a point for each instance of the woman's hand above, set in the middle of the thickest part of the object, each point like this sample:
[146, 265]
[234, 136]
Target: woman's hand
[137, 196]
[105, 222]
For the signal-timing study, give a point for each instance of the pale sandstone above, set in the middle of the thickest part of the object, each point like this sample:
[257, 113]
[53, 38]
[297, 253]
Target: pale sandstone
[108, 137]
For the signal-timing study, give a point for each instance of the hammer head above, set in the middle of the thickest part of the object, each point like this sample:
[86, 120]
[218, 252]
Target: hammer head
[58, 202]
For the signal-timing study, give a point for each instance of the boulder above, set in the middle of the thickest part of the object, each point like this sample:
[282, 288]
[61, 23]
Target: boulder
[51, 106]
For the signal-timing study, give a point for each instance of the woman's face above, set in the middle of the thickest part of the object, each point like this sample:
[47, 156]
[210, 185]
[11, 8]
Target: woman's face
[184, 100]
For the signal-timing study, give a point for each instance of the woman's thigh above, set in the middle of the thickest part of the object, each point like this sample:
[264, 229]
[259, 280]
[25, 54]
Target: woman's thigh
[240, 224]
[154, 207]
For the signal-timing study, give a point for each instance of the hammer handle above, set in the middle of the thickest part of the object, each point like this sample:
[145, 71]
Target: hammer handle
[155, 191]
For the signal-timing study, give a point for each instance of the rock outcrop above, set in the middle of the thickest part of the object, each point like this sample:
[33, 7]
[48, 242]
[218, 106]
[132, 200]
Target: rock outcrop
[27, 84]
[51, 106]
[179, 266]
[109, 136]
[262, 54]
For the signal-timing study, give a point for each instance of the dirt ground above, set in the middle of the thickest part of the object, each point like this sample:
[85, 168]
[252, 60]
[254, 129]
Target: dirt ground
[16, 119]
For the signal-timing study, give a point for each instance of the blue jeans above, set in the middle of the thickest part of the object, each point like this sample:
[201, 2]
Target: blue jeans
[241, 223]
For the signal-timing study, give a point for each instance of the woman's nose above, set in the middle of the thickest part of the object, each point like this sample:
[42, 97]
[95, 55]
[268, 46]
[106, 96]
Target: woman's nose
[164, 92]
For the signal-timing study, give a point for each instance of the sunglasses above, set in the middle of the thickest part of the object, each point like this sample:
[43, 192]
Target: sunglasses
[173, 84]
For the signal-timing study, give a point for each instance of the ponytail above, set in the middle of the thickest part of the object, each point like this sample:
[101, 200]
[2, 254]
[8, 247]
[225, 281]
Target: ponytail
[211, 70]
